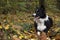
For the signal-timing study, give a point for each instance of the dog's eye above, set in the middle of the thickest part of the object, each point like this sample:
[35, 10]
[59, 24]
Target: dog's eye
[37, 10]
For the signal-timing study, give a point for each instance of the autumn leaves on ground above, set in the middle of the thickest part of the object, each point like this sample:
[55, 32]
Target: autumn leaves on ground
[20, 26]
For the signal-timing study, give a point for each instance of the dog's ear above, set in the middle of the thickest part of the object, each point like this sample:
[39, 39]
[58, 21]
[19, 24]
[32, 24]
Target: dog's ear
[37, 10]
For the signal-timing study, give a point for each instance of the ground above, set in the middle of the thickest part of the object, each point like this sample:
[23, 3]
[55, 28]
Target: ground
[20, 26]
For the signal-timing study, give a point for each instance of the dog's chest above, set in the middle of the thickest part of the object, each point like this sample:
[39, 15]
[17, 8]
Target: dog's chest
[41, 26]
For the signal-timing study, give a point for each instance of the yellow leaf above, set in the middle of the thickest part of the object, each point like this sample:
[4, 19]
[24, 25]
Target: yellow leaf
[21, 36]
[11, 23]
[18, 32]
[32, 39]
[14, 36]
[19, 20]
[31, 31]
[26, 37]
[25, 31]
[0, 27]
[6, 27]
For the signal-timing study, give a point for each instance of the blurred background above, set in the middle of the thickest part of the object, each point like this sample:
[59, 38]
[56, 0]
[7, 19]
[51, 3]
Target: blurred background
[16, 21]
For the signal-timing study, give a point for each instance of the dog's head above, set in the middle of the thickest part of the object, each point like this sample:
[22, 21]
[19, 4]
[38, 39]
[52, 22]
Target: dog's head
[39, 12]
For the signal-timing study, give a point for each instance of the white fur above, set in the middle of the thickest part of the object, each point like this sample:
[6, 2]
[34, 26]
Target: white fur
[38, 33]
[40, 25]
[34, 14]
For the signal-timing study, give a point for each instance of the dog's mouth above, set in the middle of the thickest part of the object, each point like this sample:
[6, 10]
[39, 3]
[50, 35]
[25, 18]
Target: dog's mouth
[35, 16]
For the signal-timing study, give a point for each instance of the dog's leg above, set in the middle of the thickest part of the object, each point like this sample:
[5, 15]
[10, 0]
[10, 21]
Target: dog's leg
[43, 36]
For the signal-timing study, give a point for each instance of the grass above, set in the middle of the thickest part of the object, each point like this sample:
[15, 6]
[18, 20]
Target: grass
[20, 26]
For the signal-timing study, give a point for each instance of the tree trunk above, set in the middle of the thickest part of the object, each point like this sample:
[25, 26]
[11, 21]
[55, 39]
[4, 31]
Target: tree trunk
[58, 4]
[42, 3]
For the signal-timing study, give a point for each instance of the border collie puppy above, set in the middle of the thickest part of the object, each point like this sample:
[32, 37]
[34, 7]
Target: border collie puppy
[42, 22]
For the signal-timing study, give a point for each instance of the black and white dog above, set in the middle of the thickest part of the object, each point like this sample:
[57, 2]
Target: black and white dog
[42, 22]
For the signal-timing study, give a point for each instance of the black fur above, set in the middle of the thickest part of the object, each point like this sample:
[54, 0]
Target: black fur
[35, 25]
[40, 12]
[49, 24]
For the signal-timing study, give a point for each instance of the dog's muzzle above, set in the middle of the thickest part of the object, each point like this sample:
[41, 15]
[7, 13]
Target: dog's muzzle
[34, 14]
